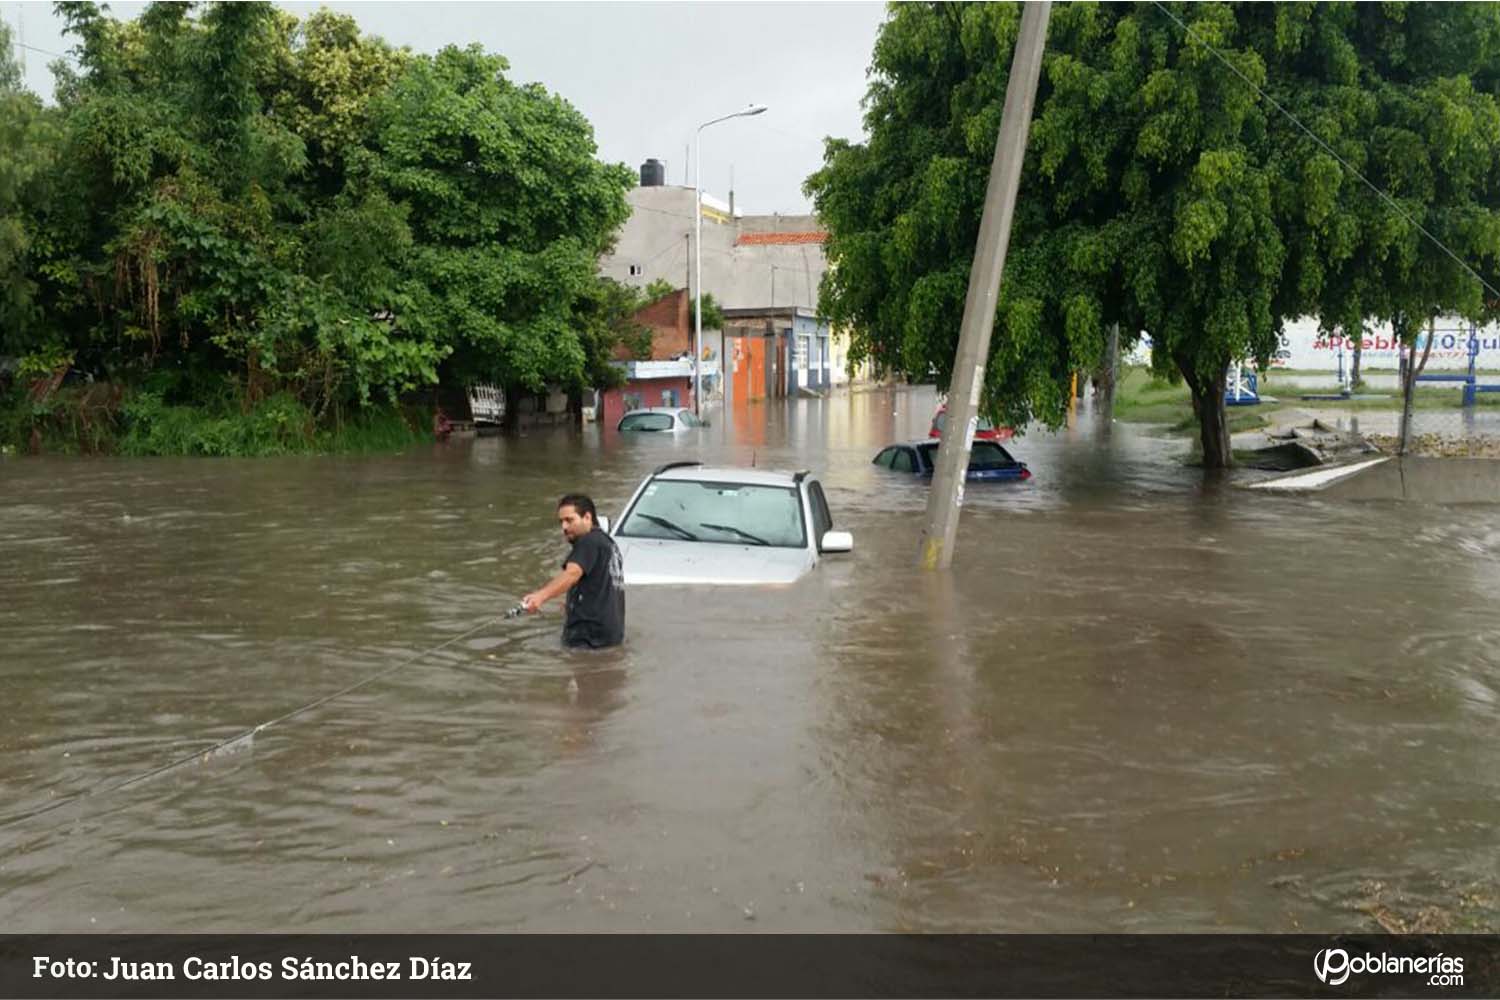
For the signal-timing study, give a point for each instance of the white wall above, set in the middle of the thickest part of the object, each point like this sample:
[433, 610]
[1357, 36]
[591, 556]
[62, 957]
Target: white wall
[739, 277]
[1303, 347]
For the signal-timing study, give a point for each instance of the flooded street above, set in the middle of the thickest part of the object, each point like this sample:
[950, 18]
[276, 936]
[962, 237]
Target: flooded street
[1136, 704]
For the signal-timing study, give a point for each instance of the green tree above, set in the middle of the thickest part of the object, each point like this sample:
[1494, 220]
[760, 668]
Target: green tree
[1142, 203]
[606, 320]
[509, 211]
[1159, 190]
[26, 152]
[713, 314]
[321, 79]
[246, 205]
[1406, 95]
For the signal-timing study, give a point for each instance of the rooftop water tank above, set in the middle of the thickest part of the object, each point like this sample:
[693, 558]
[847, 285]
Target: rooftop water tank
[653, 173]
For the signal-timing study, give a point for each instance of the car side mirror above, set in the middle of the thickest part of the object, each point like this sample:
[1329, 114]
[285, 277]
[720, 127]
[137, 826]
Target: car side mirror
[836, 541]
[603, 524]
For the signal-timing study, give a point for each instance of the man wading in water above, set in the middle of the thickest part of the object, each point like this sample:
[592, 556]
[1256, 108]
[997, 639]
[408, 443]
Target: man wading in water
[592, 576]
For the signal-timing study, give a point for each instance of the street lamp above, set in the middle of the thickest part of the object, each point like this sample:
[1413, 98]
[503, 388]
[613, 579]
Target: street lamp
[753, 109]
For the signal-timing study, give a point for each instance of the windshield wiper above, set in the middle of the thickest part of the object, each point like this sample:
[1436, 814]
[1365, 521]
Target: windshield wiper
[669, 526]
[756, 539]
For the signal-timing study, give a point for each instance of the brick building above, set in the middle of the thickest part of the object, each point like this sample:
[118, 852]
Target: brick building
[666, 378]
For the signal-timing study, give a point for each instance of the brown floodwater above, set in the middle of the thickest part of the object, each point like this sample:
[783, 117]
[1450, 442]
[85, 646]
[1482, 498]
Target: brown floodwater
[1138, 702]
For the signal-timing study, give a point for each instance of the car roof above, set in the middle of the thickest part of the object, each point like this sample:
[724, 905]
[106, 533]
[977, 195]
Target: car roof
[931, 442]
[727, 474]
[653, 409]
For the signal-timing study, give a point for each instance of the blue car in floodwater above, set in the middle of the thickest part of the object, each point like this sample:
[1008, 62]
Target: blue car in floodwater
[988, 462]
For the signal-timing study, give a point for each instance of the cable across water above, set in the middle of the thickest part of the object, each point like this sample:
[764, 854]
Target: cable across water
[247, 737]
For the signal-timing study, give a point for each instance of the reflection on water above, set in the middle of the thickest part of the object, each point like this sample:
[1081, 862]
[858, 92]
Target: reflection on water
[1137, 703]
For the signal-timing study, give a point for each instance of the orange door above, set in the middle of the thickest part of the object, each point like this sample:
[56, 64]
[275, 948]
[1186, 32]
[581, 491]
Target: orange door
[757, 357]
[748, 356]
[739, 369]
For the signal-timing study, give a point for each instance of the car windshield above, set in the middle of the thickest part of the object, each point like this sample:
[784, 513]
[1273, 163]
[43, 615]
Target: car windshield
[985, 455]
[646, 422]
[941, 420]
[731, 513]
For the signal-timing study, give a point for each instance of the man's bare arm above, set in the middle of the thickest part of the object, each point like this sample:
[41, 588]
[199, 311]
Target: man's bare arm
[555, 587]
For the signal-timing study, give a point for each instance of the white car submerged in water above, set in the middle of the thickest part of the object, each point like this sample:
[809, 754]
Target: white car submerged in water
[691, 524]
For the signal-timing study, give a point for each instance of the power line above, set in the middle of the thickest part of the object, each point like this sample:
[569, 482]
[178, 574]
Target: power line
[235, 742]
[661, 211]
[46, 52]
[1329, 150]
[670, 246]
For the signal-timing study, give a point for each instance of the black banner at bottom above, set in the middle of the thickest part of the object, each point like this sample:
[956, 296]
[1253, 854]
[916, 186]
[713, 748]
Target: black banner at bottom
[752, 965]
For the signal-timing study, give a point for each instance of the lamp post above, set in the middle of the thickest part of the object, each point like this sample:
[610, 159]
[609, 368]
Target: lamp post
[753, 109]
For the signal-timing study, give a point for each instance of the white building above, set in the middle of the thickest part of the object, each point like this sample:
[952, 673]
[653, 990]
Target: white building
[749, 261]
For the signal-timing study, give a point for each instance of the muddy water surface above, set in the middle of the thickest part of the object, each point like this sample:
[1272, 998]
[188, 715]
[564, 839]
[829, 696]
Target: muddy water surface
[1137, 703]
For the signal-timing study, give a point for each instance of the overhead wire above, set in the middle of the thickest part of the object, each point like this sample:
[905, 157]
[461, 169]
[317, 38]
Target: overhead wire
[103, 788]
[46, 52]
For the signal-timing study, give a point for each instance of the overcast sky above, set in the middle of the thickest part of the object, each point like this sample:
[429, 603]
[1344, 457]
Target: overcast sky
[645, 74]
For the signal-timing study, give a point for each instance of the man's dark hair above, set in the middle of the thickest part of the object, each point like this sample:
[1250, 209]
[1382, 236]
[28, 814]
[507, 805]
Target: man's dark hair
[581, 504]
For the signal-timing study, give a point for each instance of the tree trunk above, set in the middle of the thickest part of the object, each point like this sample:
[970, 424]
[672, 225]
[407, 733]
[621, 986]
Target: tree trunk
[1359, 347]
[1414, 368]
[1104, 381]
[575, 408]
[511, 421]
[1213, 423]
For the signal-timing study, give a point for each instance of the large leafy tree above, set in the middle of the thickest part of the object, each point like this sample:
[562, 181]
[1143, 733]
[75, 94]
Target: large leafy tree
[509, 212]
[1160, 191]
[26, 149]
[1405, 95]
[250, 203]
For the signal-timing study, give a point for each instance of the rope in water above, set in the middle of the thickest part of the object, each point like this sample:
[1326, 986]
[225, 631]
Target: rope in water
[103, 788]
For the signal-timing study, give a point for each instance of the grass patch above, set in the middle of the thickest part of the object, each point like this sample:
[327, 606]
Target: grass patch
[1140, 398]
[104, 419]
[376, 430]
[1238, 418]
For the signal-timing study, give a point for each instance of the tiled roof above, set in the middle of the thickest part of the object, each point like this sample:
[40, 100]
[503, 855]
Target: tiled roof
[769, 239]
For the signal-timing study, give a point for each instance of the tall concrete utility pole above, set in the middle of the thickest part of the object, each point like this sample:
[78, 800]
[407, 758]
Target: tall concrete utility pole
[947, 495]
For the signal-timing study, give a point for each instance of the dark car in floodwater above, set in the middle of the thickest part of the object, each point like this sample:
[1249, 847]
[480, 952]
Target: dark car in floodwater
[988, 461]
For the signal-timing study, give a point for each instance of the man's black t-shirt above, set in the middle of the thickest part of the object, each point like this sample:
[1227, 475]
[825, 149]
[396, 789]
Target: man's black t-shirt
[596, 603]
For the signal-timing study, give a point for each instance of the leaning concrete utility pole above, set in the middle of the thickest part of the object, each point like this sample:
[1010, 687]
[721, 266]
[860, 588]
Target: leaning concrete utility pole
[964, 390]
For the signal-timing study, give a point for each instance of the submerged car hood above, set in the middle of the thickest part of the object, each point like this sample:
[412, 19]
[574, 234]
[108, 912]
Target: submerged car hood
[664, 561]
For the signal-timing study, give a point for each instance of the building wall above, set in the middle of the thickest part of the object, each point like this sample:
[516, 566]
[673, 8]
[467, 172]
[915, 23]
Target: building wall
[655, 241]
[790, 363]
[750, 262]
[655, 244]
[670, 320]
[642, 393]
[815, 370]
